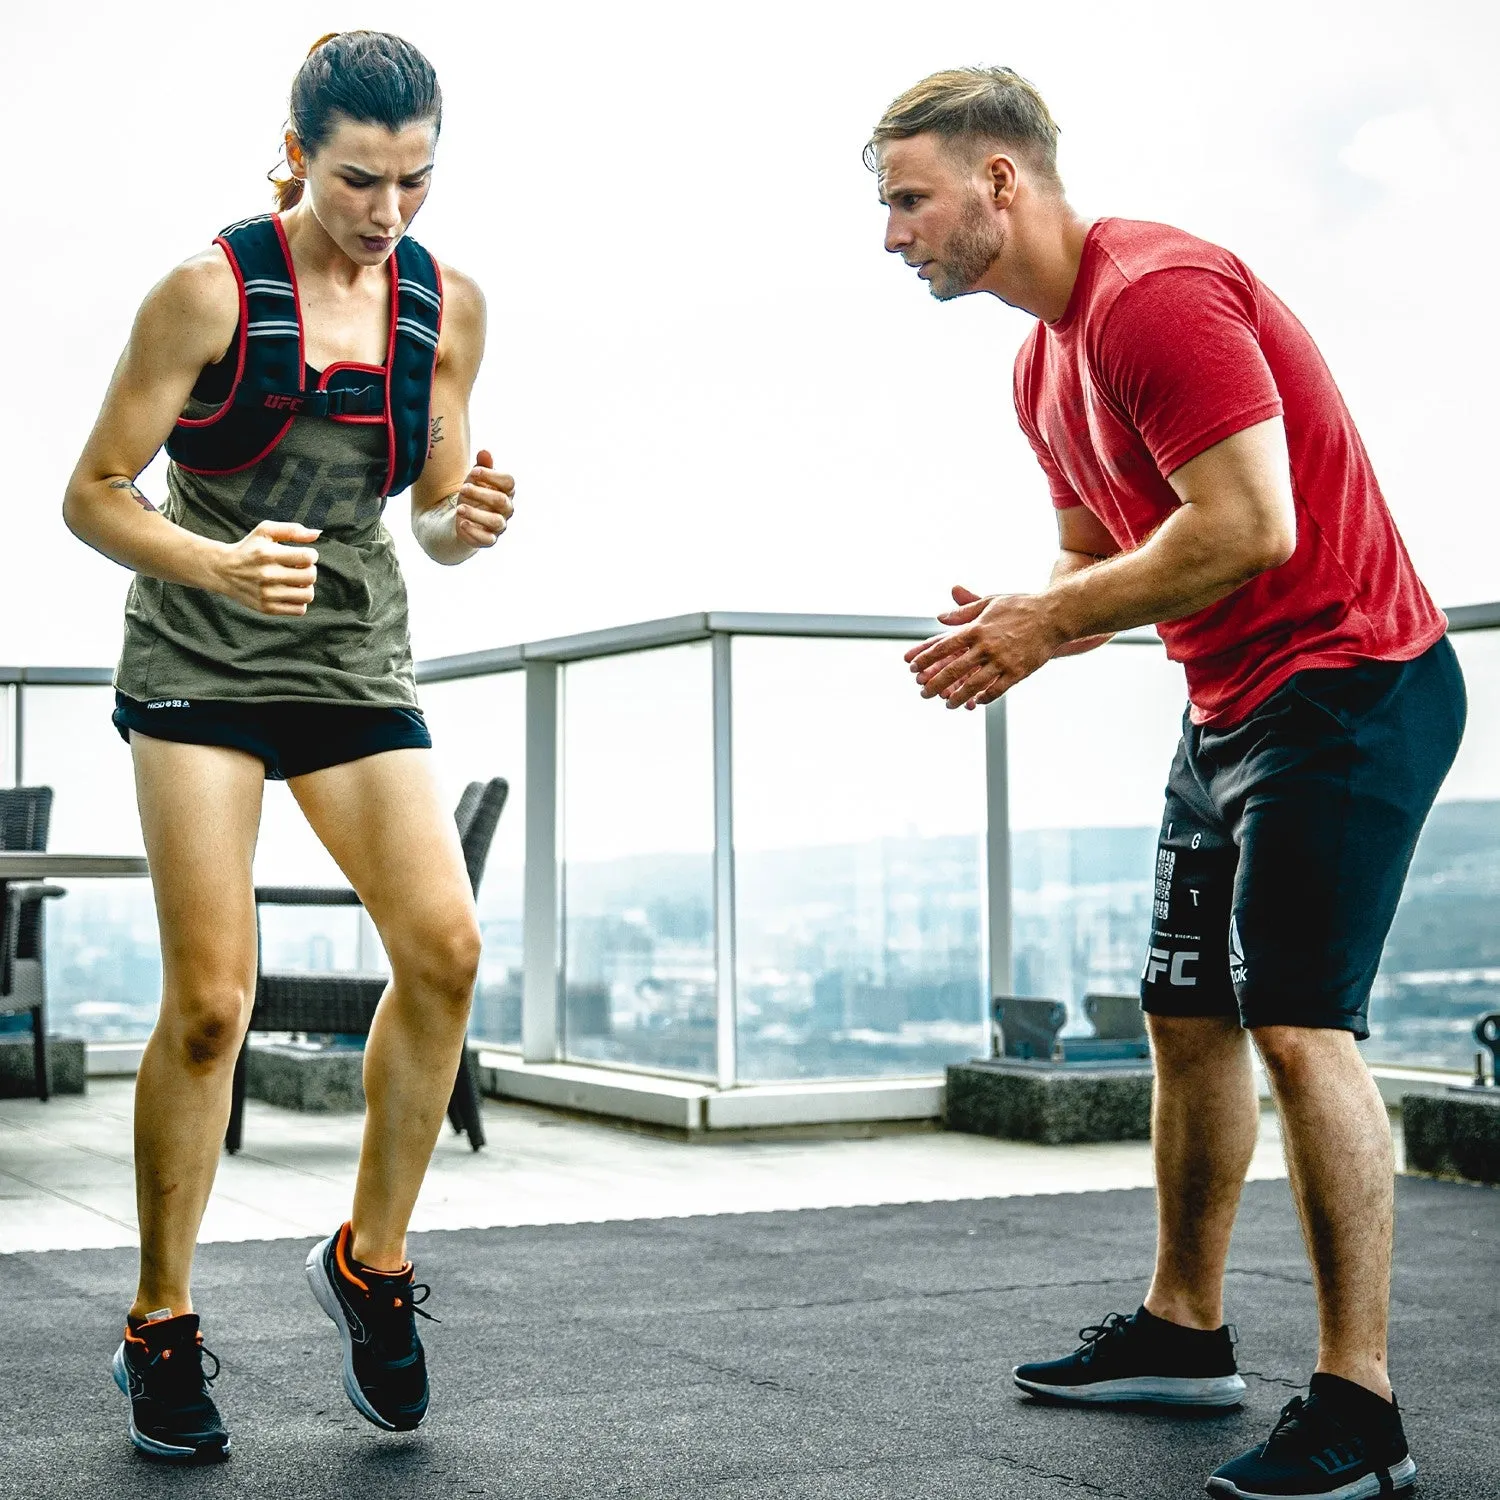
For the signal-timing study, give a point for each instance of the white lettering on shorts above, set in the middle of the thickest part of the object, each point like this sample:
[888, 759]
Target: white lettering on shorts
[1236, 952]
[1174, 965]
[170, 703]
[1166, 863]
[1180, 961]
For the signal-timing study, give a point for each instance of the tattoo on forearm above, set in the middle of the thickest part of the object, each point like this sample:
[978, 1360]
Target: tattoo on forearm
[434, 435]
[129, 486]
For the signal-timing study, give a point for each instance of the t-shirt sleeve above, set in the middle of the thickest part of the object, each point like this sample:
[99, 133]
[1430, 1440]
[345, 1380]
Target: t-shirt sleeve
[1180, 357]
[1064, 496]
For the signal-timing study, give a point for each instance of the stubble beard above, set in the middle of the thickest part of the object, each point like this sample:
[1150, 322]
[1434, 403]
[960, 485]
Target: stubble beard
[974, 247]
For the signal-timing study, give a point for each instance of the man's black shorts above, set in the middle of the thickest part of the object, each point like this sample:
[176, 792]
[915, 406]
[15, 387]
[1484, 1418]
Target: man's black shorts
[293, 739]
[1286, 839]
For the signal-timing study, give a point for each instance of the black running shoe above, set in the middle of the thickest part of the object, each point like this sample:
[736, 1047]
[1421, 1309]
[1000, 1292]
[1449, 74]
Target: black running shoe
[1341, 1443]
[1140, 1358]
[385, 1371]
[159, 1366]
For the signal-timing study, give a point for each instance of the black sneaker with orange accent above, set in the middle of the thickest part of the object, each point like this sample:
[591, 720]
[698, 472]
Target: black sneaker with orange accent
[159, 1366]
[385, 1371]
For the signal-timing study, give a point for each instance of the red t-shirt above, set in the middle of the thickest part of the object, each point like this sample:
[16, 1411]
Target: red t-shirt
[1168, 346]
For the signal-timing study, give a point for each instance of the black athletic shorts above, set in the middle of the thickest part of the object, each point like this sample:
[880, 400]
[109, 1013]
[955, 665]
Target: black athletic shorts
[293, 739]
[1286, 839]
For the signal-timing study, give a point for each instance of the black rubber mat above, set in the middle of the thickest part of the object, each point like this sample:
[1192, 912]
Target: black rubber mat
[839, 1354]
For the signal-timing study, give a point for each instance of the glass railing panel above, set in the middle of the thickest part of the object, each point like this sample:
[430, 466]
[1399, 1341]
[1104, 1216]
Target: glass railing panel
[1441, 968]
[637, 842]
[859, 814]
[1091, 740]
[478, 731]
[7, 734]
[103, 962]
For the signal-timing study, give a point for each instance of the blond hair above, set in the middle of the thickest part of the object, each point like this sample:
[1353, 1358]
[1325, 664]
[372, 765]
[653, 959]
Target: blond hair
[973, 107]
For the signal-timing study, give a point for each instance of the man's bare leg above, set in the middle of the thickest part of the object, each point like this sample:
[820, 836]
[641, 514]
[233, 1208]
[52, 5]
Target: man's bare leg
[383, 821]
[1204, 1121]
[1339, 1157]
[200, 814]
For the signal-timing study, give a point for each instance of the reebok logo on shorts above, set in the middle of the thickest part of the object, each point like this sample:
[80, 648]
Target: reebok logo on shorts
[1236, 952]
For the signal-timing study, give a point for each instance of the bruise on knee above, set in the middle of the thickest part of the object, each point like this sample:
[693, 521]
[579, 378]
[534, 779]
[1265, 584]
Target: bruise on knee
[209, 1033]
[205, 1042]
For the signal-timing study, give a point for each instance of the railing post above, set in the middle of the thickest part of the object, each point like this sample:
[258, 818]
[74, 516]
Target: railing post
[542, 915]
[724, 946]
[997, 851]
[18, 737]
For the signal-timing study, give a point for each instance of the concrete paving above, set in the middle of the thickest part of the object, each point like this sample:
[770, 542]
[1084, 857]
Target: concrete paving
[66, 1175]
[841, 1354]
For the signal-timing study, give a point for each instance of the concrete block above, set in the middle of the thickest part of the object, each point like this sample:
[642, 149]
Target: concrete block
[66, 1066]
[1054, 1106]
[1455, 1134]
[321, 1080]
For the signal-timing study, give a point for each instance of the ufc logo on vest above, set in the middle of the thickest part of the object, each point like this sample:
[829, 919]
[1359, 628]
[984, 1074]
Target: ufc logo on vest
[284, 403]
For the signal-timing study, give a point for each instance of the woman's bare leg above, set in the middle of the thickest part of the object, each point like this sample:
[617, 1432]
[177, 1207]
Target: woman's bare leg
[200, 814]
[384, 822]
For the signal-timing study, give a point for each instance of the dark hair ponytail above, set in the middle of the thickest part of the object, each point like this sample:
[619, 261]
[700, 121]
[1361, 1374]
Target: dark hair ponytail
[368, 76]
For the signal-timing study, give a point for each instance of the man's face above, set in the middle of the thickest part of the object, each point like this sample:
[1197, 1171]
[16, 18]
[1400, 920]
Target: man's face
[938, 218]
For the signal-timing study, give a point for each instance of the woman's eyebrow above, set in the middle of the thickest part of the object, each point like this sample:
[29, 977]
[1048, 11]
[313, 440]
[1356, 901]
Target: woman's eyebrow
[349, 166]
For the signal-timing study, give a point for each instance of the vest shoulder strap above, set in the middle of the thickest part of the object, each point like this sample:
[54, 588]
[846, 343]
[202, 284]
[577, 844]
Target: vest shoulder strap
[416, 326]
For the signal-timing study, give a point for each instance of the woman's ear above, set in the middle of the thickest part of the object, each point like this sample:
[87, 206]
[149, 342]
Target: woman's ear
[295, 157]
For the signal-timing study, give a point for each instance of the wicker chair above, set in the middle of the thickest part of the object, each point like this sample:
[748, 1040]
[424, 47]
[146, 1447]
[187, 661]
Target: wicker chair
[25, 812]
[345, 1003]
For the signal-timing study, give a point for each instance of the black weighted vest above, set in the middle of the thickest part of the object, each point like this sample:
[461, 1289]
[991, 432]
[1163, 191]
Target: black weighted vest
[269, 387]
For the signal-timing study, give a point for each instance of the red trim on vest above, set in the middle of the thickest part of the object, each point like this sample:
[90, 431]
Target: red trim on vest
[243, 338]
[240, 468]
[390, 365]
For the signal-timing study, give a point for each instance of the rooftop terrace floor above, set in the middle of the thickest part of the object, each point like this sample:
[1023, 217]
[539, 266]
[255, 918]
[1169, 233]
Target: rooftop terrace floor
[755, 1320]
[66, 1176]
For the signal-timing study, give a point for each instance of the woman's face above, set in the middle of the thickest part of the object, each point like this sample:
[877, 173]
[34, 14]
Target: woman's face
[365, 184]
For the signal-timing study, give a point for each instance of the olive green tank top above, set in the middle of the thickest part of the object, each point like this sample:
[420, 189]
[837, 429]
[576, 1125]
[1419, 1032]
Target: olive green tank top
[352, 645]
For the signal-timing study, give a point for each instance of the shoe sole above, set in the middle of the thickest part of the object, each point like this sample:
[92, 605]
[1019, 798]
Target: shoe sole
[1161, 1390]
[328, 1300]
[1382, 1482]
[176, 1453]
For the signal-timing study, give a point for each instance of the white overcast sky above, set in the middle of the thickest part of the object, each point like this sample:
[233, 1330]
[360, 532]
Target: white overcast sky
[714, 388]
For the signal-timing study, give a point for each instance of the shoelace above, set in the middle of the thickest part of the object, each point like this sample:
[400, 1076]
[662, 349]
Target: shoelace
[187, 1372]
[1297, 1432]
[1094, 1337]
[394, 1328]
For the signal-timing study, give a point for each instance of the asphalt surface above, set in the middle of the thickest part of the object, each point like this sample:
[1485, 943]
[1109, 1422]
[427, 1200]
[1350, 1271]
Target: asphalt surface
[845, 1354]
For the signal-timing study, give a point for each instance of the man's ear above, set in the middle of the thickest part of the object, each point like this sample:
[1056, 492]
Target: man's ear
[1003, 178]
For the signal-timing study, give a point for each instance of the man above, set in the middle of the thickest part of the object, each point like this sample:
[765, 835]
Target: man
[1208, 479]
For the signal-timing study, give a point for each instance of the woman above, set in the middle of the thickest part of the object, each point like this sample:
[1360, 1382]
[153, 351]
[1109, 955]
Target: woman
[308, 365]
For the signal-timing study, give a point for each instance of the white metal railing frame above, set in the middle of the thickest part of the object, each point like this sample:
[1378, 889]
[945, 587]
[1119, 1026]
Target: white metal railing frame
[543, 919]
[541, 662]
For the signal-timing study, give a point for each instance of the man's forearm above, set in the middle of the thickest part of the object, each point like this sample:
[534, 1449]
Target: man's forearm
[1068, 563]
[114, 518]
[1184, 567]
